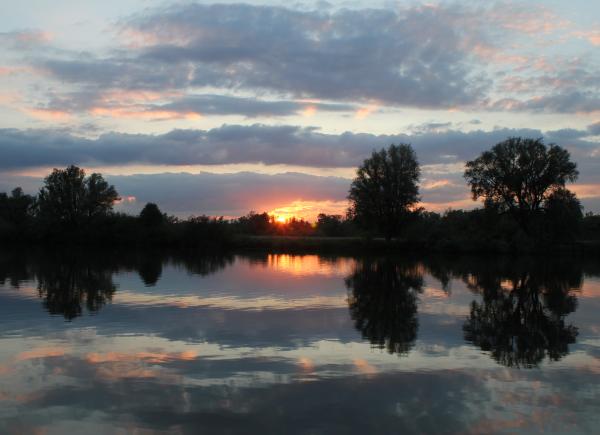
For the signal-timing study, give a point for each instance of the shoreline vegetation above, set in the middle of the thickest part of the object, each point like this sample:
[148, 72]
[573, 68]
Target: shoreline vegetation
[526, 209]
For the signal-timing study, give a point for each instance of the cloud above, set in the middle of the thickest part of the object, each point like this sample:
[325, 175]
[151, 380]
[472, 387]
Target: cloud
[172, 105]
[431, 57]
[258, 143]
[567, 102]
[227, 194]
[25, 39]
[314, 54]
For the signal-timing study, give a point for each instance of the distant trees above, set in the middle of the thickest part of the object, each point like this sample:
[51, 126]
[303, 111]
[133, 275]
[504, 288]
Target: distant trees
[151, 216]
[16, 213]
[69, 197]
[385, 187]
[519, 175]
[522, 181]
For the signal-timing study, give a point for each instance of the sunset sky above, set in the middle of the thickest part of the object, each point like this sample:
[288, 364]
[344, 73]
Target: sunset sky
[218, 108]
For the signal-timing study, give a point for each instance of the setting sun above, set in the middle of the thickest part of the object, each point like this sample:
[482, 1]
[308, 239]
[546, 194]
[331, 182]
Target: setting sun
[280, 219]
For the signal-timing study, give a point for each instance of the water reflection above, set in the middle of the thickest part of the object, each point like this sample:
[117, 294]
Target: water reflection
[185, 343]
[67, 283]
[71, 280]
[383, 302]
[521, 319]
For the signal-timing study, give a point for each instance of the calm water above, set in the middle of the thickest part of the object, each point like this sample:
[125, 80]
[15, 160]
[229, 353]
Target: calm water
[143, 343]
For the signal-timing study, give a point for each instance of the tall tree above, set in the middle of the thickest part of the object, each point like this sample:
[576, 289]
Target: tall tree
[519, 174]
[385, 187]
[69, 197]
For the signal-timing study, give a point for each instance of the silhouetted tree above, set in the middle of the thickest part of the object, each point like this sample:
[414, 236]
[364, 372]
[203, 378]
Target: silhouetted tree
[69, 197]
[254, 223]
[385, 187]
[563, 215]
[151, 216]
[16, 212]
[383, 302]
[518, 175]
[330, 225]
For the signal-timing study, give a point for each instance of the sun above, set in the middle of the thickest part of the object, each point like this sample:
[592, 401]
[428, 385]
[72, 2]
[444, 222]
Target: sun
[280, 219]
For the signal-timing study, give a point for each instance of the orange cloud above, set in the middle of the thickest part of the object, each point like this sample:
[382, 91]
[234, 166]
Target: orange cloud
[138, 113]
[127, 199]
[363, 112]
[49, 114]
[436, 184]
[593, 37]
[586, 190]
[4, 71]
[309, 111]
[148, 357]
[41, 352]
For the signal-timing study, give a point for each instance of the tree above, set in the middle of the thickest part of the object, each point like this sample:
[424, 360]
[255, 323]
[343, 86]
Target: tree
[16, 208]
[563, 214]
[518, 175]
[330, 225]
[151, 216]
[69, 197]
[385, 187]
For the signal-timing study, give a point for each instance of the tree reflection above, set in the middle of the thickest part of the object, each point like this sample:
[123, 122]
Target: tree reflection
[383, 302]
[70, 281]
[205, 264]
[150, 269]
[521, 318]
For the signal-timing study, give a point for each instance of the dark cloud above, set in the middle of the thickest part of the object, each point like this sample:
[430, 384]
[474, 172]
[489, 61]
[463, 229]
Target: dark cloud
[256, 143]
[594, 129]
[442, 154]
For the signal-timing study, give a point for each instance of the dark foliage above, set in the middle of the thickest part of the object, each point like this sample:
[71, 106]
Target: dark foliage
[69, 198]
[72, 208]
[384, 190]
[519, 176]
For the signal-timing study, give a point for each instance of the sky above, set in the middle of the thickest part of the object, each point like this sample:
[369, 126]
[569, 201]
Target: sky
[221, 108]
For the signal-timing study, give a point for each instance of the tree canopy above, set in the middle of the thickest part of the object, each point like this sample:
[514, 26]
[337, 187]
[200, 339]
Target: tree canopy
[519, 174]
[385, 187]
[151, 215]
[68, 196]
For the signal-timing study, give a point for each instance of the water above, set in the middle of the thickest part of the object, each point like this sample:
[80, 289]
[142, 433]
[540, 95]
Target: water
[144, 343]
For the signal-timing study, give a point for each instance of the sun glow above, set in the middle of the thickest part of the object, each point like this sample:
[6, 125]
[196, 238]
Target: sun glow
[308, 210]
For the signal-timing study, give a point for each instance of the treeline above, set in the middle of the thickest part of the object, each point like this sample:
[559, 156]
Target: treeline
[521, 182]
